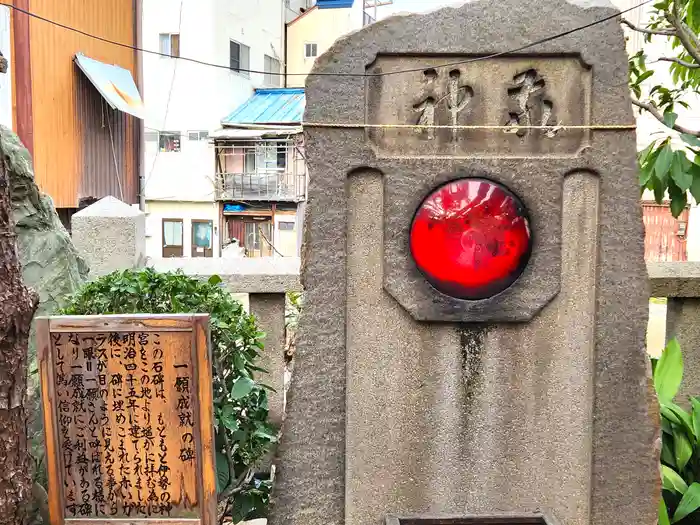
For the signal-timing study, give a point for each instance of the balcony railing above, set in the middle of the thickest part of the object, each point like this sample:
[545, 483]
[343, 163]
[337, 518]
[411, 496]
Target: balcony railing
[271, 170]
[269, 185]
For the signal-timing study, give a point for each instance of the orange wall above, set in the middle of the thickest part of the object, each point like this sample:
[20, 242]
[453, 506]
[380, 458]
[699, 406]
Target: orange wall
[58, 155]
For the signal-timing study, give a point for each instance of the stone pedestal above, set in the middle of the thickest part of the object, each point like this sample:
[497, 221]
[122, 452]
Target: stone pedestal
[110, 235]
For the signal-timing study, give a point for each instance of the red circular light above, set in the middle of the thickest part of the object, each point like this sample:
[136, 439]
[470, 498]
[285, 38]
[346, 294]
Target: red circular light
[471, 238]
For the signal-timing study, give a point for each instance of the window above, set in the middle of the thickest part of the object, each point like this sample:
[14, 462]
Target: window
[286, 226]
[281, 155]
[249, 165]
[170, 44]
[240, 57]
[202, 238]
[169, 141]
[310, 50]
[197, 135]
[272, 71]
[172, 237]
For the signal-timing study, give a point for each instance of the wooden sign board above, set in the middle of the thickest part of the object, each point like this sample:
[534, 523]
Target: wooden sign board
[128, 419]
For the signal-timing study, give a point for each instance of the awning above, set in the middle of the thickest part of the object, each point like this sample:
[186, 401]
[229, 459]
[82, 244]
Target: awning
[114, 83]
[245, 133]
[278, 106]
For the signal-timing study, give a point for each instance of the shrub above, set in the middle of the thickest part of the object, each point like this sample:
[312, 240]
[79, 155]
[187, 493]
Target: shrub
[242, 433]
[680, 453]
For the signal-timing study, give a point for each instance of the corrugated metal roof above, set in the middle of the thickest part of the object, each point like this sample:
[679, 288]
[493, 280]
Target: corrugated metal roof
[333, 4]
[270, 106]
[247, 133]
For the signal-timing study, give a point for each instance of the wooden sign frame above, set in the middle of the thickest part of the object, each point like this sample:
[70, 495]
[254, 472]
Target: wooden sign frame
[203, 425]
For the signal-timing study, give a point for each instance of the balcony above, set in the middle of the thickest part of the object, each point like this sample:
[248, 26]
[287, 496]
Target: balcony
[262, 171]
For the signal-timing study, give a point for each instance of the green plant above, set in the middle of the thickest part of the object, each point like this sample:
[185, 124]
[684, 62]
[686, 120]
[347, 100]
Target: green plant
[243, 435]
[680, 453]
[664, 167]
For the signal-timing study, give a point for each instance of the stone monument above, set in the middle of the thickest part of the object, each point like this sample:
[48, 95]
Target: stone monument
[472, 345]
[121, 230]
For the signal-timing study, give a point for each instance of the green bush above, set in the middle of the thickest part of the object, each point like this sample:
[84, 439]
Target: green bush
[243, 435]
[680, 453]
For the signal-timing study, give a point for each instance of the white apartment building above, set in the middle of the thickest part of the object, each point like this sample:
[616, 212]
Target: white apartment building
[186, 102]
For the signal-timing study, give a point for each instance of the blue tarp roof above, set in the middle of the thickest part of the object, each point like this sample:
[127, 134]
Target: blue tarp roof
[270, 106]
[114, 83]
[333, 4]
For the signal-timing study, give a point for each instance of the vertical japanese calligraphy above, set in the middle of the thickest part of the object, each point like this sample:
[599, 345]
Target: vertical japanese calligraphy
[126, 414]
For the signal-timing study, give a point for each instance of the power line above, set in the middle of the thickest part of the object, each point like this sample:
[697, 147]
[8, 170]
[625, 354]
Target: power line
[413, 70]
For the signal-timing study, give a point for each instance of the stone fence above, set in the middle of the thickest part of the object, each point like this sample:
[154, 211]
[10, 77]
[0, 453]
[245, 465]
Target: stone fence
[679, 283]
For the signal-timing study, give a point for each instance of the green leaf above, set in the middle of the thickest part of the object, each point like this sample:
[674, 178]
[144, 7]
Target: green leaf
[684, 417]
[265, 435]
[663, 162]
[673, 481]
[679, 172]
[228, 418]
[678, 204]
[669, 372]
[214, 280]
[663, 513]
[691, 140]
[670, 415]
[644, 76]
[670, 118]
[644, 154]
[695, 187]
[689, 504]
[682, 448]
[242, 387]
[695, 402]
[694, 15]
[222, 472]
[667, 453]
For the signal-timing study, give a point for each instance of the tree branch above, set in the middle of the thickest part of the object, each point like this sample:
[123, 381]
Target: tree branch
[660, 32]
[690, 42]
[689, 65]
[654, 111]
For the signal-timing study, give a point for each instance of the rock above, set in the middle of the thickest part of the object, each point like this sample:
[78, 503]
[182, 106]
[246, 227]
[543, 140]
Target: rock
[50, 263]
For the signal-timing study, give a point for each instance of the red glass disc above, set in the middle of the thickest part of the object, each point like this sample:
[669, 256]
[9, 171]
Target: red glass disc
[471, 238]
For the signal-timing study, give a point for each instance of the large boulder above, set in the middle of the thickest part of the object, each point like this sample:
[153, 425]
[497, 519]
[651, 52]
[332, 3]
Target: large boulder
[50, 263]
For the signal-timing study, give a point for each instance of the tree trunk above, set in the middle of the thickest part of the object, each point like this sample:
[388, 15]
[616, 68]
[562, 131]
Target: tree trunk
[17, 306]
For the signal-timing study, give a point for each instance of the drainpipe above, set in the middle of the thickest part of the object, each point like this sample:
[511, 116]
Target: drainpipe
[140, 140]
[23, 75]
[284, 42]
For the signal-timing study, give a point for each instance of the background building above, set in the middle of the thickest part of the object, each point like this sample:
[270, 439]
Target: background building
[314, 31]
[76, 104]
[186, 102]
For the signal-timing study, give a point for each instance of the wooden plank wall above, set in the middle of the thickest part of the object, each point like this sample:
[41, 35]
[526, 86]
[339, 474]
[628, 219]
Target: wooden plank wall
[661, 241]
[60, 156]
